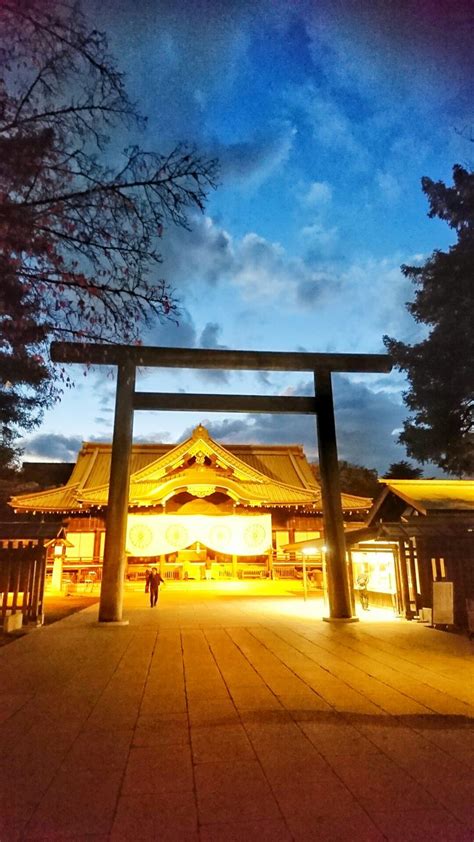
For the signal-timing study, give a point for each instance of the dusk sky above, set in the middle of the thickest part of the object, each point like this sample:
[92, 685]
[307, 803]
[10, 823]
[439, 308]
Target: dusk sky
[324, 117]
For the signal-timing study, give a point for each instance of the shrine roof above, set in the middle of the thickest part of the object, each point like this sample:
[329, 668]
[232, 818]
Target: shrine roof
[272, 474]
[251, 493]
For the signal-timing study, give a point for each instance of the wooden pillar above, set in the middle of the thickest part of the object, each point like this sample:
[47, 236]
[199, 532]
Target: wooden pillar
[398, 580]
[111, 593]
[350, 570]
[96, 550]
[414, 597]
[338, 578]
[270, 563]
[42, 579]
[16, 580]
[7, 566]
[26, 589]
[402, 552]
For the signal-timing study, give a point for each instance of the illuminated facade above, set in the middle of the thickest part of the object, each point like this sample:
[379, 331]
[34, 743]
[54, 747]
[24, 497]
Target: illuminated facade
[428, 526]
[197, 508]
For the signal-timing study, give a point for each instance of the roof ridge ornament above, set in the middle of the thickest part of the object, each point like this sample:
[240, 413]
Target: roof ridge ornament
[200, 432]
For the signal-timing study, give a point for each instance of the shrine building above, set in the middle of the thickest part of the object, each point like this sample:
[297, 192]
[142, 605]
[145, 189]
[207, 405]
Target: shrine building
[198, 509]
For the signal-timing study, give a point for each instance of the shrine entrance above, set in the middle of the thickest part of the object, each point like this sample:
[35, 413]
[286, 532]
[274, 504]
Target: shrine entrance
[127, 358]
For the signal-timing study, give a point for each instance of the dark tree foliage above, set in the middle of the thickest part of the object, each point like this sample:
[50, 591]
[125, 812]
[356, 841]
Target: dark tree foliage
[403, 470]
[354, 479]
[440, 368]
[80, 225]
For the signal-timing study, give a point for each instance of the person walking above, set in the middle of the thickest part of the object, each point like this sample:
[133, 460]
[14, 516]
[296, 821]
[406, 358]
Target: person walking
[147, 580]
[154, 581]
[362, 582]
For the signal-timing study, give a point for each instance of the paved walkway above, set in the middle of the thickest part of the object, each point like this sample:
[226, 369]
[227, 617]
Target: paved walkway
[226, 715]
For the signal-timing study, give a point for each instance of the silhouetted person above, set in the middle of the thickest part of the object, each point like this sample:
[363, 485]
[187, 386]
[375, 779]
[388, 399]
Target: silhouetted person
[362, 582]
[147, 579]
[154, 582]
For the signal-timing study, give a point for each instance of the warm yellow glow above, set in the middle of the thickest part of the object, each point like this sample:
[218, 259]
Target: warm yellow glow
[434, 493]
[379, 565]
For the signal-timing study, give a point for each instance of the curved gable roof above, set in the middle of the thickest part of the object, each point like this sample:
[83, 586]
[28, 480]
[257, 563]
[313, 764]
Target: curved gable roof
[265, 474]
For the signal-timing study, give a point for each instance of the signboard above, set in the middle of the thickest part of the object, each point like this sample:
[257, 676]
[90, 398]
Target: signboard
[443, 604]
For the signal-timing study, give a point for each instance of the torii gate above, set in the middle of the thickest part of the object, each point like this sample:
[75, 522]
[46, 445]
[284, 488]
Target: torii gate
[128, 357]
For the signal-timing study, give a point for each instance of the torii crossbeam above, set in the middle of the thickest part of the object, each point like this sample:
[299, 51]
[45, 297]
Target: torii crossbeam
[128, 357]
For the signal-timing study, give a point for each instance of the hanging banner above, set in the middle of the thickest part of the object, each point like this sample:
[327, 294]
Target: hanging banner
[153, 535]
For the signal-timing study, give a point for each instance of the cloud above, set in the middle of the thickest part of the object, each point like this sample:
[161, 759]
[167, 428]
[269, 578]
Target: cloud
[258, 268]
[223, 431]
[205, 253]
[256, 159]
[209, 339]
[265, 271]
[366, 422]
[318, 193]
[169, 333]
[209, 336]
[252, 270]
[322, 239]
[53, 447]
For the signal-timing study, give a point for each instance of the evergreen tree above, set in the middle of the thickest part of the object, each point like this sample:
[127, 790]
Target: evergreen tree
[354, 479]
[403, 470]
[440, 368]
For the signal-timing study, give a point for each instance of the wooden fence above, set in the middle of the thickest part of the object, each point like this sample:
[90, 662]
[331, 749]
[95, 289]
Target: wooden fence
[22, 578]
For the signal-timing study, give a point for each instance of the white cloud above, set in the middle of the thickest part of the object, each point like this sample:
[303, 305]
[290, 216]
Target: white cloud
[319, 236]
[366, 296]
[318, 193]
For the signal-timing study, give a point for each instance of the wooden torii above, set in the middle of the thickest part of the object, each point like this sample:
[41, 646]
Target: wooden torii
[128, 357]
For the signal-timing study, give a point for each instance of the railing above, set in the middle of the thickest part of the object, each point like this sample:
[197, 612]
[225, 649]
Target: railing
[22, 577]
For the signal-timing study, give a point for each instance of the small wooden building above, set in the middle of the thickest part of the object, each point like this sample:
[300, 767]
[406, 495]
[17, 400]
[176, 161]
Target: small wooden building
[25, 549]
[198, 508]
[428, 528]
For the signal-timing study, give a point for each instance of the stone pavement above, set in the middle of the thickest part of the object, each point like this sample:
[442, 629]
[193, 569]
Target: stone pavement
[225, 714]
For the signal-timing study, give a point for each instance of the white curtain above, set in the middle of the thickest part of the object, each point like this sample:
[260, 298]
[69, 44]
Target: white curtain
[152, 535]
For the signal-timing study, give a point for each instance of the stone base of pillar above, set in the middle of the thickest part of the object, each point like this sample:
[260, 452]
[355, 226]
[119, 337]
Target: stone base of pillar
[13, 622]
[340, 619]
[107, 623]
[57, 577]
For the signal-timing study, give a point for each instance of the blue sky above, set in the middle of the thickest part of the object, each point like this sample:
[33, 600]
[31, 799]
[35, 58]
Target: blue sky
[324, 117]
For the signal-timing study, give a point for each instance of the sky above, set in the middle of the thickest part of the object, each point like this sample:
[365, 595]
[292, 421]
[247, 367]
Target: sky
[324, 117]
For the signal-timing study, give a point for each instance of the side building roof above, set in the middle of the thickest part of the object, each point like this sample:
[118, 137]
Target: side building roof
[424, 496]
